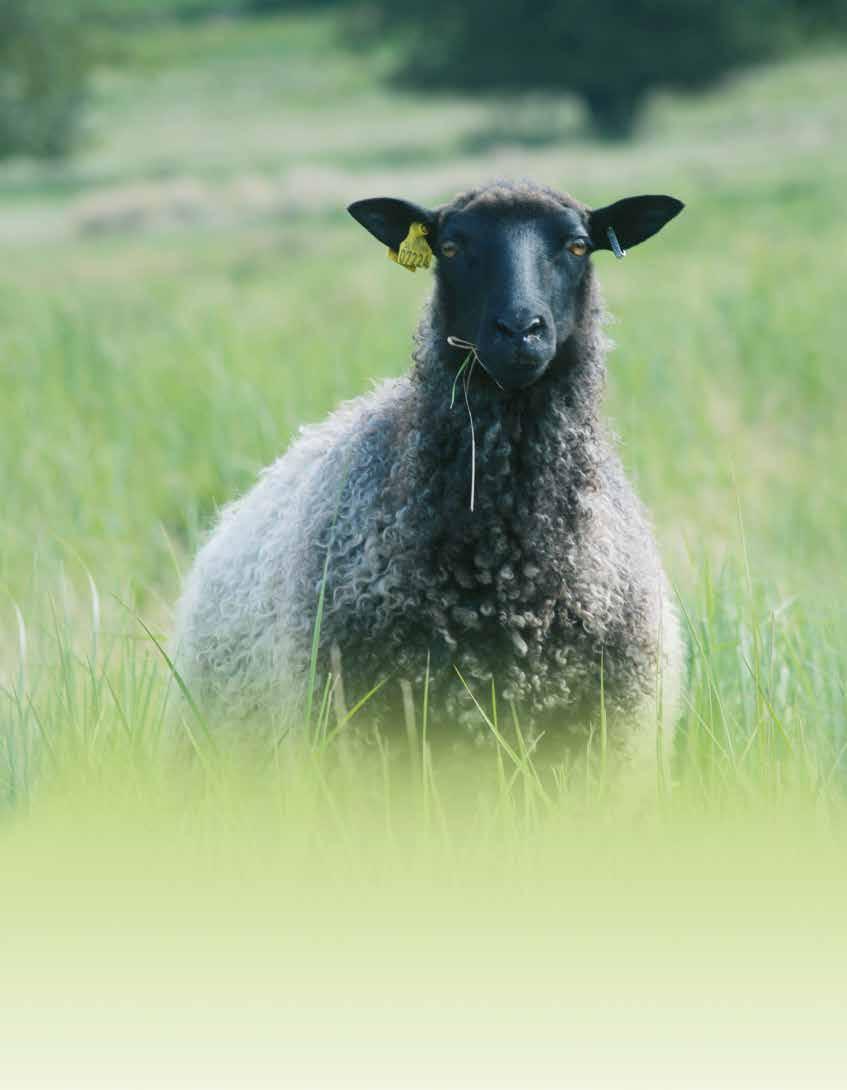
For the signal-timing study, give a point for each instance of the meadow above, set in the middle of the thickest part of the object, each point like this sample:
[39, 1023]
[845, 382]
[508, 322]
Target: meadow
[178, 299]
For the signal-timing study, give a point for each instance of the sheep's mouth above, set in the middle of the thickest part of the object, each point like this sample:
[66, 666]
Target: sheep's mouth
[516, 370]
[510, 371]
[529, 375]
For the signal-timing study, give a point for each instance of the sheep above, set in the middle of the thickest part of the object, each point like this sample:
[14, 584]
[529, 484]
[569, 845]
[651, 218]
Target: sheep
[468, 525]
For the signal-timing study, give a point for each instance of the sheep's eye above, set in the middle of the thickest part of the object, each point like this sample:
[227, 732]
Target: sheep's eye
[579, 247]
[449, 249]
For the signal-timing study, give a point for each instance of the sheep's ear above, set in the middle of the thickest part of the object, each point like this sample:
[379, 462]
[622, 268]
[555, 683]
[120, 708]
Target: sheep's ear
[631, 221]
[389, 219]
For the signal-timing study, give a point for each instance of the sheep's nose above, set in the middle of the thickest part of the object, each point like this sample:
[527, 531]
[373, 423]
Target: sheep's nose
[517, 330]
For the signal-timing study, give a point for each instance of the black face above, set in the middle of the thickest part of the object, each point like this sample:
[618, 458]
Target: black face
[510, 283]
[511, 262]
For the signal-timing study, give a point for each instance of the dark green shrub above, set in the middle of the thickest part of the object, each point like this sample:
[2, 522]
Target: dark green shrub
[610, 54]
[43, 70]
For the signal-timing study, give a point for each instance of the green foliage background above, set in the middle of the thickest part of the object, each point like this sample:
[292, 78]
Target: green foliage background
[175, 301]
[611, 56]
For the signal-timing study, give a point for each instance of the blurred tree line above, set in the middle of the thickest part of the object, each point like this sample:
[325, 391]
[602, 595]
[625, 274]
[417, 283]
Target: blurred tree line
[610, 53]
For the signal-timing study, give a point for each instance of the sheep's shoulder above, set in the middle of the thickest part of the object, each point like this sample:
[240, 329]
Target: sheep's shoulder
[247, 607]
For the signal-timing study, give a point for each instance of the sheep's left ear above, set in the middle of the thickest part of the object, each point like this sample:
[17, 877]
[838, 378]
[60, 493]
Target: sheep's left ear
[389, 219]
[632, 220]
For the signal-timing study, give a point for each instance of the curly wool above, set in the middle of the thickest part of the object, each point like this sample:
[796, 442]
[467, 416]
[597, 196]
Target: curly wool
[550, 588]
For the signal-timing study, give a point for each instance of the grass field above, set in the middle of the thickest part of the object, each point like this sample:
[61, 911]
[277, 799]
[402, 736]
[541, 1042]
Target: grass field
[188, 291]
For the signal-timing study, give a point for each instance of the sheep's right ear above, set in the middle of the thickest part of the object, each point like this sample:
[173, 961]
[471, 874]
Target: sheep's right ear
[389, 219]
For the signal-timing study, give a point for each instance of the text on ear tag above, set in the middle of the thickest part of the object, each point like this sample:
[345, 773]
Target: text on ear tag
[613, 242]
[414, 252]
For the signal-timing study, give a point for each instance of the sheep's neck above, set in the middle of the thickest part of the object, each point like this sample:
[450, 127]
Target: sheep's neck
[533, 452]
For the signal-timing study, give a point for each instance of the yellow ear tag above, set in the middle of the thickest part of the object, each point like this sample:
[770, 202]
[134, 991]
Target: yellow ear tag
[414, 252]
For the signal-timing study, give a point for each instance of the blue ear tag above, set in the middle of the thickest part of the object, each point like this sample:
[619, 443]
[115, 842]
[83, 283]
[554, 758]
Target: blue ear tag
[613, 242]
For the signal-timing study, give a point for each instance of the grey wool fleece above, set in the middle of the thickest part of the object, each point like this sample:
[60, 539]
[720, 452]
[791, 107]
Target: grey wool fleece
[551, 582]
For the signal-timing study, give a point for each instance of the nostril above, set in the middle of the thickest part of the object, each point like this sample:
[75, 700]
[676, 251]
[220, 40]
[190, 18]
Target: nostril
[534, 328]
[504, 328]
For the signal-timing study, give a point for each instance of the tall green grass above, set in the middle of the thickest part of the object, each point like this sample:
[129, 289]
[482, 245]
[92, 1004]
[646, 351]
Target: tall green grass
[764, 724]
